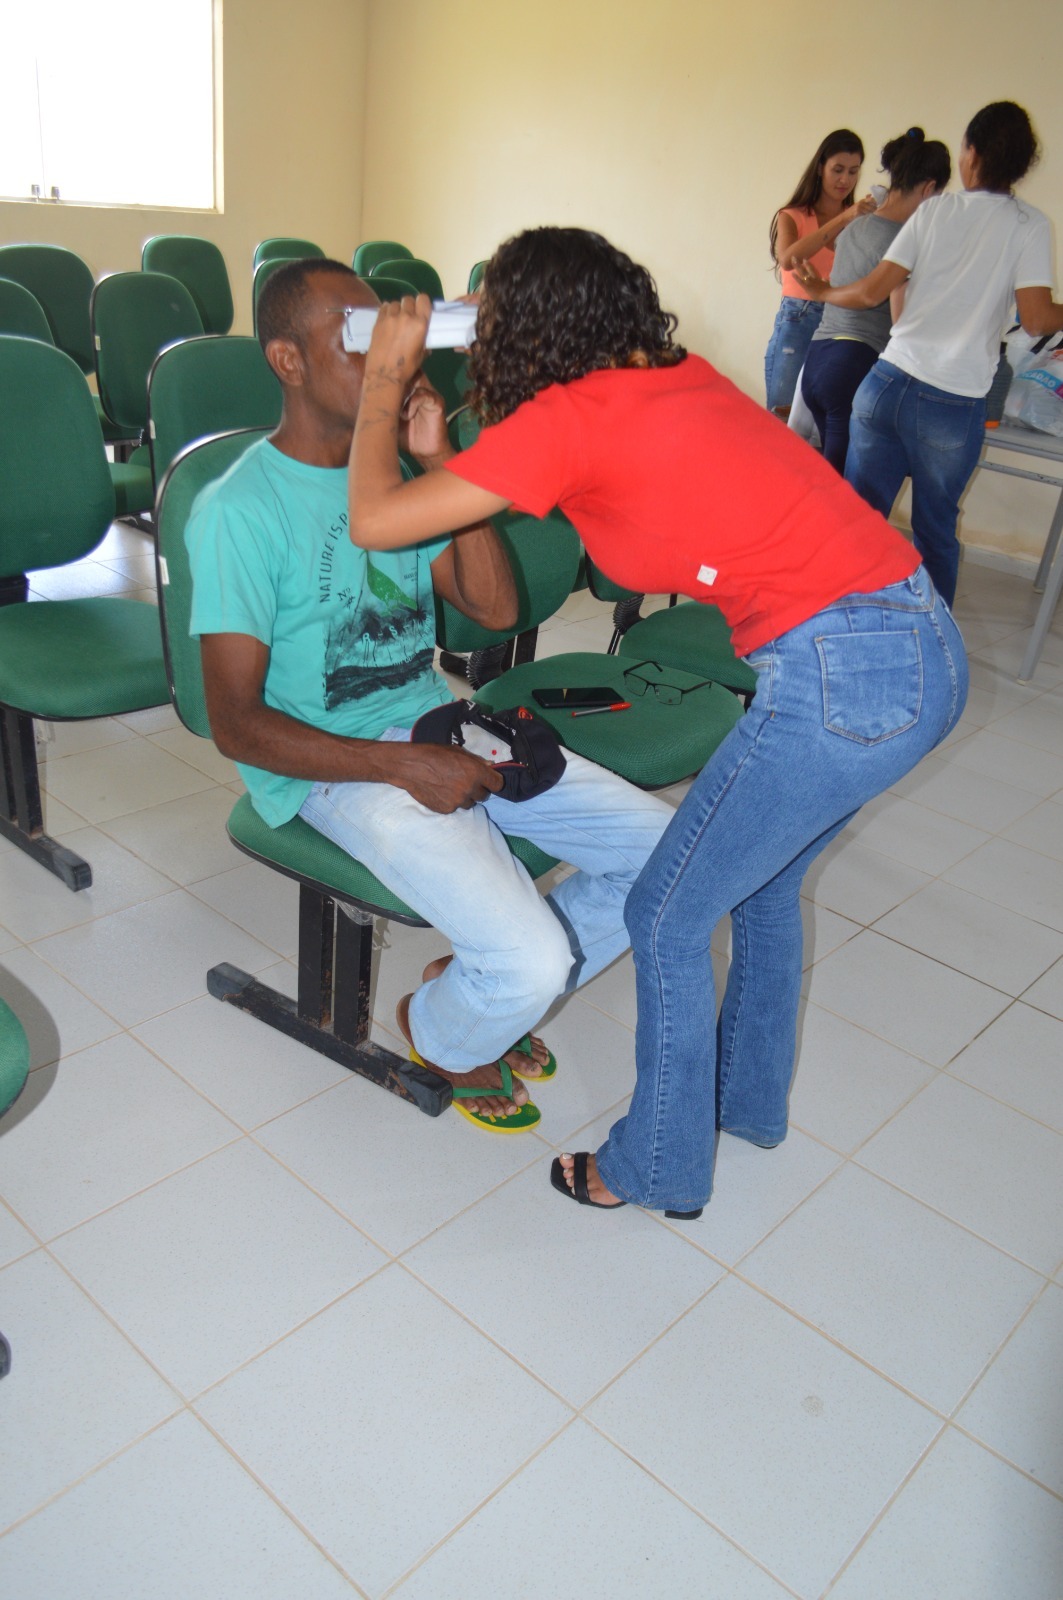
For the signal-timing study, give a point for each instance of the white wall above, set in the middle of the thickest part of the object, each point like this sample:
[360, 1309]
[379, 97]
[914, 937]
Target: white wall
[677, 128]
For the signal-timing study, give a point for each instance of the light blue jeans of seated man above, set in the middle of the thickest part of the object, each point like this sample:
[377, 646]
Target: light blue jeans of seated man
[515, 951]
[846, 704]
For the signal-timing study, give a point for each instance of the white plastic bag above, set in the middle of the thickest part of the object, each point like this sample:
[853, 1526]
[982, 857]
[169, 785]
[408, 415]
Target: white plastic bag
[1035, 398]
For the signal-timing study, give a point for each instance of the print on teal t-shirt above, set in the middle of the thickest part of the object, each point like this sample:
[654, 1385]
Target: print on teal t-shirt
[351, 635]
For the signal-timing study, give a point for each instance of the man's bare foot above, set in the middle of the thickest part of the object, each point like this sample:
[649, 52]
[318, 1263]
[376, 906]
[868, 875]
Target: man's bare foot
[492, 1105]
[595, 1187]
[529, 1067]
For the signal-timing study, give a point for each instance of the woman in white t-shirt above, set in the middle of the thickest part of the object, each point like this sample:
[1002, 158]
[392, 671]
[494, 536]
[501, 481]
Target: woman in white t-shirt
[964, 258]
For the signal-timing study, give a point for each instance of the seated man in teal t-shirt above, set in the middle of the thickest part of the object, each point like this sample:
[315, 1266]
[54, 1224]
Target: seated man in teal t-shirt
[318, 659]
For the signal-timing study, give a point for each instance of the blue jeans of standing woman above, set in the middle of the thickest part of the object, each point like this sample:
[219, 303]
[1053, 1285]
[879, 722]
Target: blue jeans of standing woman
[795, 323]
[834, 370]
[903, 428]
[846, 704]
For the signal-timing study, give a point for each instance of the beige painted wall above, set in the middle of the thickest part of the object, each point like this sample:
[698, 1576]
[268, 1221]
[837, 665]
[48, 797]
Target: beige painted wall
[677, 128]
[293, 109]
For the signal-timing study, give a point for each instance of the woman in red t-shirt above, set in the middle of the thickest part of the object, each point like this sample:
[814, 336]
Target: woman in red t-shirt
[678, 482]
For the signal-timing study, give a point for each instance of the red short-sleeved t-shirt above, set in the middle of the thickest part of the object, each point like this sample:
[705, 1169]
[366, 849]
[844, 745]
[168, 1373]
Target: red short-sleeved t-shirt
[679, 484]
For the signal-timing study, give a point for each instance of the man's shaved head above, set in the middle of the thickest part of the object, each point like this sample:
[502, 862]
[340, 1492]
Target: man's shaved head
[284, 301]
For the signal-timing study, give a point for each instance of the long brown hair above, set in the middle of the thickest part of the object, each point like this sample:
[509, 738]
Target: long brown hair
[810, 183]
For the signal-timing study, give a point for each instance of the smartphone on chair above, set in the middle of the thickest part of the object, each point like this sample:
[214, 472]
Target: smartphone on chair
[576, 699]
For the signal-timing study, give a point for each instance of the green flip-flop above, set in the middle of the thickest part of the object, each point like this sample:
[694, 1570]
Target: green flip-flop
[526, 1117]
[549, 1066]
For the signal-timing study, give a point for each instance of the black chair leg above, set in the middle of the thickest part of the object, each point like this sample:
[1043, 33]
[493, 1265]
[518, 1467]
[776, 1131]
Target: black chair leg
[331, 1014]
[21, 819]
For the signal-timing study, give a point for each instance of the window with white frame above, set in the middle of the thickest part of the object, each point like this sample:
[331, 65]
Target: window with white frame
[109, 106]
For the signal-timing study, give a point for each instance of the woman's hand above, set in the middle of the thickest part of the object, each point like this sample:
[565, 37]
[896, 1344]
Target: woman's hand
[810, 280]
[863, 208]
[397, 346]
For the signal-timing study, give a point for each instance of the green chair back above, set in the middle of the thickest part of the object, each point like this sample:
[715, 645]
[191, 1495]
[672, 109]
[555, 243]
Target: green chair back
[603, 588]
[200, 266]
[134, 314]
[695, 638]
[370, 254]
[58, 499]
[62, 283]
[421, 274]
[287, 249]
[192, 470]
[263, 272]
[388, 288]
[476, 276]
[21, 313]
[205, 386]
[14, 1057]
[544, 555]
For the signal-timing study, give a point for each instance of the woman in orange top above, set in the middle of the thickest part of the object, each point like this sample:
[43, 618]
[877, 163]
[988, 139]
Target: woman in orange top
[804, 229]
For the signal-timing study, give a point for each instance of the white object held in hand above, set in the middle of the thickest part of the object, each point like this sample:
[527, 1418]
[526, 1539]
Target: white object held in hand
[452, 326]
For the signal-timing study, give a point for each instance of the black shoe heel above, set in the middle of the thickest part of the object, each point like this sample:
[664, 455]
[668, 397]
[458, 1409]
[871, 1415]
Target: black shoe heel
[685, 1216]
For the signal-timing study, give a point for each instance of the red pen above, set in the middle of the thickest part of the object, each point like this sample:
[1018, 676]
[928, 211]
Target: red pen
[594, 711]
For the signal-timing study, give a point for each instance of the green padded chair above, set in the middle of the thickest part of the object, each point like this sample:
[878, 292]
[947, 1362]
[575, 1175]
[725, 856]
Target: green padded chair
[476, 276]
[62, 284]
[692, 636]
[22, 314]
[331, 1014]
[200, 266]
[653, 744]
[14, 1070]
[263, 272]
[208, 385]
[63, 660]
[372, 252]
[134, 316]
[287, 249]
[421, 274]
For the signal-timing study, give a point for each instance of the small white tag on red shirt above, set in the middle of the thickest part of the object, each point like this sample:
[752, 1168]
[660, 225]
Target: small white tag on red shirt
[707, 576]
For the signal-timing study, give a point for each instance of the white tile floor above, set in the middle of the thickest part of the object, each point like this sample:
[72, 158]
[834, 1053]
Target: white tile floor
[276, 1335]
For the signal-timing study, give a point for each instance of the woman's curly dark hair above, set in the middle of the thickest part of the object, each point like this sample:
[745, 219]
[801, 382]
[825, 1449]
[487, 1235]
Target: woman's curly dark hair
[558, 303]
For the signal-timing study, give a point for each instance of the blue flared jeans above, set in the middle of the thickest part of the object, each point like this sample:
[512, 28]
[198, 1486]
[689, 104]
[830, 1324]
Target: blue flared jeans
[846, 704]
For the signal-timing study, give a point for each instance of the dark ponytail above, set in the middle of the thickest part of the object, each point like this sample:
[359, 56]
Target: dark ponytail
[912, 159]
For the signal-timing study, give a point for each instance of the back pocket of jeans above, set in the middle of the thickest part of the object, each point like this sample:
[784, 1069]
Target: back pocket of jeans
[872, 684]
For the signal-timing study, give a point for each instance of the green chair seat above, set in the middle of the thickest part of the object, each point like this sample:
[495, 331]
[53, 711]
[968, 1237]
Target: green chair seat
[81, 658]
[14, 1057]
[134, 486]
[112, 433]
[693, 637]
[300, 852]
[651, 745]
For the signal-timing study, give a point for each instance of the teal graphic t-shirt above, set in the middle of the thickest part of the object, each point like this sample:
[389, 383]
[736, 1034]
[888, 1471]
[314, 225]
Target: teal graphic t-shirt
[351, 632]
